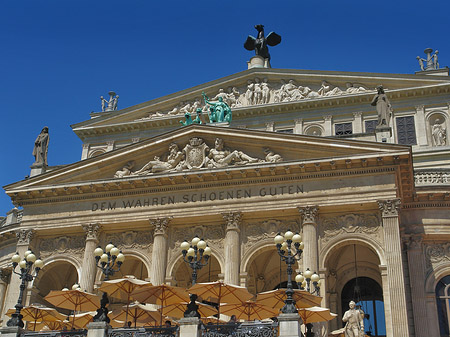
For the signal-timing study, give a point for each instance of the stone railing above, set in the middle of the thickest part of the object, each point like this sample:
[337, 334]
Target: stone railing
[144, 332]
[71, 333]
[240, 330]
[432, 177]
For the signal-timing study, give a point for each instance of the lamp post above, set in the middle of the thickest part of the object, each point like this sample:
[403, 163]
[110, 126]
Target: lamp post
[196, 255]
[305, 279]
[111, 258]
[26, 276]
[290, 248]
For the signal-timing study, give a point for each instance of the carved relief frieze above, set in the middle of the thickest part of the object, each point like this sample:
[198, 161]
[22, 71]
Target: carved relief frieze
[368, 224]
[195, 155]
[131, 239]
[73, 245]
[436, 253]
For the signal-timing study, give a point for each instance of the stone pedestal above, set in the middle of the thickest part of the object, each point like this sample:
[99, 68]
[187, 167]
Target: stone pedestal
[258, 62]
[383, 134]
[37, 168]
[97, 329]
[189, 327]
[11, 331]
[289, 325]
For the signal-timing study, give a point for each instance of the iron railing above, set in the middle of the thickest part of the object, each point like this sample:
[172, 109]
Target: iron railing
[70, 333]
[144, 332]
[240, 330]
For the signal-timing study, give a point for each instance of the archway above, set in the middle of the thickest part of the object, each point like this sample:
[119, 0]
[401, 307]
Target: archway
[182, 273]
[443, 305]
[131, 266]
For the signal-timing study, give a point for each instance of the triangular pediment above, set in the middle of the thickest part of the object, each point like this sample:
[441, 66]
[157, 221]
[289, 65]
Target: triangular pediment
[316, 87]
[191, 152]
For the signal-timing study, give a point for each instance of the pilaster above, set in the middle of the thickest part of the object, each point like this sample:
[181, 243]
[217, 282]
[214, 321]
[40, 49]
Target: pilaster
[298, 126]
[88, 270]
[357, 122]
[85, 151]
[159, 253]
[327, 125]
[270, 126]
[394, 263]
[109, 145]
[232, 247]
[309, 225]
[421, 126]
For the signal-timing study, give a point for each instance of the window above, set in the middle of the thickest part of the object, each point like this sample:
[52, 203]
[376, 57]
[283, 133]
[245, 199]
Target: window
[343, 129]
[370, 125]
[406, 131]
[443, 304]
[285, 130]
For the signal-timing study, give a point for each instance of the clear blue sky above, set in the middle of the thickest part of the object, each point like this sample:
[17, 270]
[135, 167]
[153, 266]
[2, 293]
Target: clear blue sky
[58, 57]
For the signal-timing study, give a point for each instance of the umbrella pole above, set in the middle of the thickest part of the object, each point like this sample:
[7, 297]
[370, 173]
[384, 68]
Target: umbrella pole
[126, 314]
[34, 327]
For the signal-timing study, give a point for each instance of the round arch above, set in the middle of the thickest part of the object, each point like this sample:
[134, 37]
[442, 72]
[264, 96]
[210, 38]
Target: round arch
[136, 264]
[181, 273]
[257, 248]
[314, 130]
[439, 117]
[433, 278]
[51, 260]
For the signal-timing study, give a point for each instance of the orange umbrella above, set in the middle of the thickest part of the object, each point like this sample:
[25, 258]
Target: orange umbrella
[177, 309]
[275, 298]
[248, 310]
[220, 292]
[34, 313]
[138, 313]
[53, 326]
[315, 314]
[80, 321]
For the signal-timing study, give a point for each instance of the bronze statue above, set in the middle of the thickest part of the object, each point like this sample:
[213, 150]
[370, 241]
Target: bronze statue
[260, 43]
[41, 147]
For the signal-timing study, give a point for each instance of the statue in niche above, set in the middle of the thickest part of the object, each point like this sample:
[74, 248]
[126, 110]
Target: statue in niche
[439, 133]
[219, 156]
[157, 165]
[110, 105]
[40, 149]
[353, 318]
[260, 43]
[384, 108]
[219, 111]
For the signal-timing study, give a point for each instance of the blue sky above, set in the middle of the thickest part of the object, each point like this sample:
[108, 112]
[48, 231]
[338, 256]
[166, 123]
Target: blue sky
[58, 57]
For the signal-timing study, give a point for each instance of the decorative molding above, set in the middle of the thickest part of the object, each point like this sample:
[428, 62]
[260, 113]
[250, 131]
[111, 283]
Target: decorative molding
[131, 239]
[432, 177]
[436, 253]
[70, 245]
[92, 231]
[233, 220]
[309, 214]
[5, 275]
[357, 114]
[414, 242]
[389, 208]
[24, 236]
[160, 225]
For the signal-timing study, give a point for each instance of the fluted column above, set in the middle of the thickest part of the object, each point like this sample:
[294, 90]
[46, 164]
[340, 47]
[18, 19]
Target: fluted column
[88, 270]
[309, 224]
[394, 263]
[24, 237]
[417, 280]
[232, 247]
[159, 253]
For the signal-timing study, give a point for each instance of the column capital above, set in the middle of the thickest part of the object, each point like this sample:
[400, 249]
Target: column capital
[389, 208]
[24, 236]
[233, 220]
[414, 242]
[420, 107]
[327, 118]
[160, 225]
[298, 120]
[357, 114]
[92, 231]
[309, 214]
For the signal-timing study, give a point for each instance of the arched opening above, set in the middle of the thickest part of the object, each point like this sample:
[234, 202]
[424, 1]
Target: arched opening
[183, 273]
[368, 296]
[131, 266]
[443, 305]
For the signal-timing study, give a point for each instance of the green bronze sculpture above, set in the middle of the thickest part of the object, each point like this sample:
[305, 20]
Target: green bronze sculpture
[198, 119]
[188, 119]
[219, 110]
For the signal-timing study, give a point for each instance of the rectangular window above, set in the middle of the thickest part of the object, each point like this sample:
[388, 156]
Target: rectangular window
[406, 131]
[370, 126]
[285, 130]
[343, 129]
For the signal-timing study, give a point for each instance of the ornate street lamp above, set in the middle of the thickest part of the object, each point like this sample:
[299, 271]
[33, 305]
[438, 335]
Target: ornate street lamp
[26, 266]
[290, 248]
[305, 279]
[110, 259]
[196, 255]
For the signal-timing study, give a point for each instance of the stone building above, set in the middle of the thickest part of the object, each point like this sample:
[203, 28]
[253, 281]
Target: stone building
[302, 152]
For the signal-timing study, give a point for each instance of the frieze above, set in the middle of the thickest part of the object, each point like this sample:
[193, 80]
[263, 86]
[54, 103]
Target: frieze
[195, 155]
[262, 91]
[71, 245]
[436, 254]
[131, 239]
[256, 232]
[369, 224]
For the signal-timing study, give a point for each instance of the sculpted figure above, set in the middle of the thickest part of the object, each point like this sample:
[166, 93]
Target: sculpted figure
[280, 94]
[439, 133]
[233, 97]
[188, 119]
[354, 326]
[265, 91]
[421, 60]
[259, 45]
[198, 119]
[41, 147]
[104, 103]
[186, 108]
[222, 94]
[219, 111]
[257, 96]
[156, 165]
[435, 60]
[272, 157]
[383, 105]
[110, 105]
[125, 171]
[250, 92]
[351, 89]
[221, 157]
[327, 90]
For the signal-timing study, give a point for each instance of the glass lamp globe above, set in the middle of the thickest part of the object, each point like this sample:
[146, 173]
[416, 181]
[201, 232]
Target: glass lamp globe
[304, 284]
[114, 251]
[120, 257]
[75, 286]
[31, 258]
[39, 263]
[279, 239]
[65, 289]
[195, 241]
[23, 264]
[108, 247]
[301, 246]
[98, 251]
[185, 245]
[207, 251]
[315, 277]
[297, 238]
[284, 246]
[104, 258]
[15, 258]
[191, 252]
[308, 273]
[288, 235]
[299, 278]
[201, 244]
[26, 253]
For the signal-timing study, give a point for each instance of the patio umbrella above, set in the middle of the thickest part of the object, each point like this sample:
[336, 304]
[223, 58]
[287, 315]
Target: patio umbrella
[315, 314]
[220, 292]
[34, 314]
[162, 295]
[138, 313]
[75, 300]
[248, 310]
[80, 321]
[275, 298]
[177, 309]
[211, 319]
[52, 326]
[122, 289]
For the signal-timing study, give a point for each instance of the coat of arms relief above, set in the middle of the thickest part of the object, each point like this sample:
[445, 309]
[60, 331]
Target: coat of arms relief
[195, 155]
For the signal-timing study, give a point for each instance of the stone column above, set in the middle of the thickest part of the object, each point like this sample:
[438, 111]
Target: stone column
[394, 264]
[309, 224]
[417, 279]
[24, 237]
[298, 126]
[232, 247]
[327, 125]
[386, 299]
[89, 268]
[357, 122]
[421, 125]
[159, 253]
[5, 276]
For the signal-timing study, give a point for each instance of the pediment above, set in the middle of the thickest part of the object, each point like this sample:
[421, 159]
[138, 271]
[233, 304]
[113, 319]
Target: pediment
[259, 88]
[194, 152]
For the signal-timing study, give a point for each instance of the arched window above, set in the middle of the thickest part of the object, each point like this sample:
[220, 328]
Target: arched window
[443, 304]
[369, 296]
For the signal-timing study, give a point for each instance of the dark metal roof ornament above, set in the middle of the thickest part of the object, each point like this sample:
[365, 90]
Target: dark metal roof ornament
[260, 43]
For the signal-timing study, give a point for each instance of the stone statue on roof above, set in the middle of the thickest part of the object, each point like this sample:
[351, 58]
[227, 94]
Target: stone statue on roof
[110, 105]
[41, 147]
[260, 43]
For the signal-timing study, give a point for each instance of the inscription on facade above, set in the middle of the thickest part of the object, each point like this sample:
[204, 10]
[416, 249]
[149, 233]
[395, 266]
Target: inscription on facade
[198, 197]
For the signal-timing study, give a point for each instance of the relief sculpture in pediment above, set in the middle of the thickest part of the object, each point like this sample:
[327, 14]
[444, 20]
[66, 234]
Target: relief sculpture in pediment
[196, 155]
